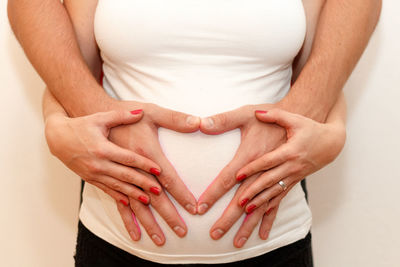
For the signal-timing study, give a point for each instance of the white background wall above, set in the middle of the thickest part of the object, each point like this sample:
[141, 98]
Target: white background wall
[355, 201]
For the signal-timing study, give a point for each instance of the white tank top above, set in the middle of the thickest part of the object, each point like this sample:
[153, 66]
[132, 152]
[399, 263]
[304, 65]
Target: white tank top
[200, 57]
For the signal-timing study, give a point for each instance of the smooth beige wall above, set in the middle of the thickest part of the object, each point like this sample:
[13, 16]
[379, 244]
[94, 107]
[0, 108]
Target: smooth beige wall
[355, 201]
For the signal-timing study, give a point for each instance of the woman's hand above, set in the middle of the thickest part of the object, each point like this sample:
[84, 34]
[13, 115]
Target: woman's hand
[82, 145]
[142, 138]
[310, 146]
[257, 138]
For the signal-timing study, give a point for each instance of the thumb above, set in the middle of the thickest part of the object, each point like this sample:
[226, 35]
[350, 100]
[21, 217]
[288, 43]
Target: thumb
[225, 121]
[174, 120]
[115, 118]
[278, 116]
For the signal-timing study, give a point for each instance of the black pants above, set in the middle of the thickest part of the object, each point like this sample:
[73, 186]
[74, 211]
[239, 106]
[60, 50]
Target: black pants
[92, 251]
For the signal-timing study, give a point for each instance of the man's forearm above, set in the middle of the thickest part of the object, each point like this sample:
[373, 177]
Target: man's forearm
[44, 30]
[343, 31]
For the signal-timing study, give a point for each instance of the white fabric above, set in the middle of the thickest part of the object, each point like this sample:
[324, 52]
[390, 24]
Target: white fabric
[201, 57]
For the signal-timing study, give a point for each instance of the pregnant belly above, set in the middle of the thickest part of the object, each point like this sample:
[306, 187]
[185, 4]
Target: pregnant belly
[198, 158]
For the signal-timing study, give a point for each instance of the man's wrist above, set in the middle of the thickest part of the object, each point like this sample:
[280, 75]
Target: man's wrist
[90, 100]
[306, 105]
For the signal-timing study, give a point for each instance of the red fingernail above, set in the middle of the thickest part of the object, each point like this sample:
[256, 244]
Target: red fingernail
[244, 202]
[251, 208]
[136, 111]
[261, 111]
[268, 211]
[143, 199]
[155, 171]
[241, 177]
[155, 190]
[124, 202]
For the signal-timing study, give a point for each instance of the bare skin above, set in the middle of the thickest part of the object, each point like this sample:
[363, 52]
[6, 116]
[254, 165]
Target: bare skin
[301, 95]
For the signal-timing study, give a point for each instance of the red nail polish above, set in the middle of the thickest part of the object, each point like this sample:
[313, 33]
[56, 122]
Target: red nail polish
[143, 199]
[244, 202]
[124, 202]
[155, 190]
[241, 177]
[251, 208]
[136, 111]
[268, 211]
[261, 111]
[155, 171]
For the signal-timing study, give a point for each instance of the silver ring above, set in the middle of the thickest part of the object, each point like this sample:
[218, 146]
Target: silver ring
[283, 185]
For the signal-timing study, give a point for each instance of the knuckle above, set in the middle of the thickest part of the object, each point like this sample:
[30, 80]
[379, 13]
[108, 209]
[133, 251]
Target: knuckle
[167, 181]
[93, 167]
[99, 152]
[131, 159]
[116, 186]
[126, 176]
[223, 120]
[227, 183]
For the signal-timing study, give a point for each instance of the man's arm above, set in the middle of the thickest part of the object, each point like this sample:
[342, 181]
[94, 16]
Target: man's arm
[45, 32]
[342, 34]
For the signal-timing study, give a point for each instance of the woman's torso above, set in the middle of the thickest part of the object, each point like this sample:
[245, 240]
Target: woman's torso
[199, 57]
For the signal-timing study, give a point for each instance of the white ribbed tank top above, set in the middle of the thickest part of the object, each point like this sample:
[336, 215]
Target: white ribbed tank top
[200, 57]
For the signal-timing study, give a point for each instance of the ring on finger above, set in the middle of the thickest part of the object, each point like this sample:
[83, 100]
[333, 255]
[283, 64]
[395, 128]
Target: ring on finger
[283, 185]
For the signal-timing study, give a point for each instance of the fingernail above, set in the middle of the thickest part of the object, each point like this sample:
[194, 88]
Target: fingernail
[241, 241]
[191, 120]
[261, 111]
[191, 209]
[155, 171]
[156, 239]
[136, 111]
[202, 208]
[124, 202]
[217, 234]
[208, 123]
[155, 190]
[251, 208]
[244, 202]
[179, 231]
[264, 235]
[143, 199]
[268, 211]
[133, 235]
[241, 177]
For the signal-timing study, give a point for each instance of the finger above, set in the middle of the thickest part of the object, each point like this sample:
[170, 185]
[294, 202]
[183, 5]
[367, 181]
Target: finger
[266, 180]
[114, 118]
[265, 196]
[222, 183]
[266, 162]
[231, 214]
[270, 214]
[281, 117]
[119, 197]
[125, 188]
[247, 227]
[171, 181]
[173, 120]
[146, 218]
[130, 158]
[163, 205]
[131, 176]
[267, 222]
[226, 121]
[129, 219]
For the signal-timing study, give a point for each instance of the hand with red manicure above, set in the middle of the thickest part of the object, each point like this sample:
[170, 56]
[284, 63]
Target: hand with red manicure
[302, 146]
[119, 152]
